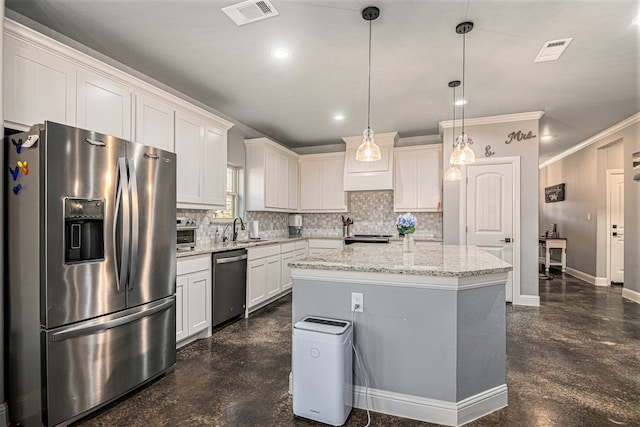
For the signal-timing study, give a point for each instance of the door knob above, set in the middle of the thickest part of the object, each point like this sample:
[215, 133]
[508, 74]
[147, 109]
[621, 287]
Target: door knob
[506, 240]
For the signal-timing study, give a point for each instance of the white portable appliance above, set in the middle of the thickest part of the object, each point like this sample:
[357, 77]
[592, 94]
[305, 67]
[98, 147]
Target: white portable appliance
[322, 369]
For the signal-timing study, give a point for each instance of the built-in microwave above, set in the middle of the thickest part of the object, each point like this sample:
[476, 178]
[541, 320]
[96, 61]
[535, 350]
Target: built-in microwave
[185, 234]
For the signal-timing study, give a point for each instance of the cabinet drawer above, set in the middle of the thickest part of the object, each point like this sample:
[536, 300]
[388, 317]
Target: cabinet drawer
[301, 244]
[288, 247]
[193, 263]
[262, 251]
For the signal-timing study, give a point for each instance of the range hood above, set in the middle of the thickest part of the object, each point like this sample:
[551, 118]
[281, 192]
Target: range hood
[364, 176]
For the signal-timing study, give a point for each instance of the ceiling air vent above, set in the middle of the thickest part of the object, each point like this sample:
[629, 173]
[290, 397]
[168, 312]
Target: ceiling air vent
[250, 11]
[552, 50]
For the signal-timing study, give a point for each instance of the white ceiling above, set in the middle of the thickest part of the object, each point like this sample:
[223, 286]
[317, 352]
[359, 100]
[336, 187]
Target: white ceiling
[193, 47]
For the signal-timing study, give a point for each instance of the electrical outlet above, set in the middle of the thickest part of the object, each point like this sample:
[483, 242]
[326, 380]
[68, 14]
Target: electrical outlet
[357, 300]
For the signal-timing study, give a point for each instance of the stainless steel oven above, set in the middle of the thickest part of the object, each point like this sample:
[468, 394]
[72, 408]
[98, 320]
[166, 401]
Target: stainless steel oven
[185, 234]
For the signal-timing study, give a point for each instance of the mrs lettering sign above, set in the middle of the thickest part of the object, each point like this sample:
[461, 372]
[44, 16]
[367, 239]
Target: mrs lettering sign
[519, 136]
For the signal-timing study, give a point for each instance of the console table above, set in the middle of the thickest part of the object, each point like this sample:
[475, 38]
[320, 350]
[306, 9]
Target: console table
[548, 244]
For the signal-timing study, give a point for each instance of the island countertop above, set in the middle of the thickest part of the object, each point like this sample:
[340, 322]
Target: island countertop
[425, 260]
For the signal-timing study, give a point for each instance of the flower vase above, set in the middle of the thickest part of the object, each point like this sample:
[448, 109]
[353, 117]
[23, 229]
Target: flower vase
[408, 243]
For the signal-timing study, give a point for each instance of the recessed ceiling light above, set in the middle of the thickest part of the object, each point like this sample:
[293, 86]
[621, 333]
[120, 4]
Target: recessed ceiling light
[461, 102]
[338, 117]
[280, 53]
[546, 138]
[636, 20]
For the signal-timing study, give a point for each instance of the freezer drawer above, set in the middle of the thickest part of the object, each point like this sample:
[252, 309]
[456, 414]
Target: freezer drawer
[94, 362]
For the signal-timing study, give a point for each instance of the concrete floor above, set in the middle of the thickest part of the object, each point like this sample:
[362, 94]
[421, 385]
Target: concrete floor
[574, 361]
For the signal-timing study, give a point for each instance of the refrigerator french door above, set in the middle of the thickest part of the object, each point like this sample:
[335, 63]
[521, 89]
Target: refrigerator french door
[91, 251]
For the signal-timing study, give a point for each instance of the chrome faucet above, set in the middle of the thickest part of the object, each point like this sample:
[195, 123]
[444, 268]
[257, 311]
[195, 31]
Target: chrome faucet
[235, 231]
[224, 232]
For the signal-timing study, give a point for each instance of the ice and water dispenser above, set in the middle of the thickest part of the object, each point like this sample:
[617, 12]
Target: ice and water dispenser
[83, 230]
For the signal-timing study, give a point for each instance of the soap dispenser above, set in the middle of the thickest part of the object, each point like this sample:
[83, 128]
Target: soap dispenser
[216, 237]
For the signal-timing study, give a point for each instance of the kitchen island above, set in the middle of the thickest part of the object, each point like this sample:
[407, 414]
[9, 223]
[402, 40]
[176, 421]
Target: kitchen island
[432, 331]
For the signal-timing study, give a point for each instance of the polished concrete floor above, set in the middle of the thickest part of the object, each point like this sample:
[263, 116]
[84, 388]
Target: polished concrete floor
[574, 361]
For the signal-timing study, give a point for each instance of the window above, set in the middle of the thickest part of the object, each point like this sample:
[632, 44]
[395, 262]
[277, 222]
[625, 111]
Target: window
[232, 209]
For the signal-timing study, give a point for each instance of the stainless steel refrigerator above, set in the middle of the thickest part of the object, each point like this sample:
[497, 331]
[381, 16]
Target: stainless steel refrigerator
[91, 269]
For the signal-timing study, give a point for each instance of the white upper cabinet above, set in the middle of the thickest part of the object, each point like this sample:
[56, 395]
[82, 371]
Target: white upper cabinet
[418, 178]
[201, 151]
[47, 80]
[154, 124]
[37, 86]
[103, 105]
[272, 176]
[215, 166]
[321, 183]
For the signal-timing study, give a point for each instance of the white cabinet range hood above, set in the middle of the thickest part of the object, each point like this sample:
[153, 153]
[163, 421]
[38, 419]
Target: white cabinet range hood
[364, 176]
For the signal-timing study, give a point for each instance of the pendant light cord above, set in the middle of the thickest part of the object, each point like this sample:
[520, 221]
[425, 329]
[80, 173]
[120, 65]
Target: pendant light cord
[369, 88]
[464, 55]
[453, 130]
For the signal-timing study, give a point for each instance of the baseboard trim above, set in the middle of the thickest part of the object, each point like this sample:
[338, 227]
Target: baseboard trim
[4, 414]
[631, 295]
[432, 410]
[529, 300]
[597, 281]
[601, 281]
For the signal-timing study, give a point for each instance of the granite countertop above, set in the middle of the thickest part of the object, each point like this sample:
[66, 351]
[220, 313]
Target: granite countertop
[425, 260]
[240, 244]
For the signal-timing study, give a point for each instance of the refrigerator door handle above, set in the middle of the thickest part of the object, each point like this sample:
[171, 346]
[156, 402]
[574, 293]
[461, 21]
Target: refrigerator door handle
[135, 223]
[94, 326]
[122, 197]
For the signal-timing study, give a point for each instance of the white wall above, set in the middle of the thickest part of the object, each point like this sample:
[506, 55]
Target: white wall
[493, 131]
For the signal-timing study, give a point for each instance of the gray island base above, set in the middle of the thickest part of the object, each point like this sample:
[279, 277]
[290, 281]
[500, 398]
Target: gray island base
[432, 333]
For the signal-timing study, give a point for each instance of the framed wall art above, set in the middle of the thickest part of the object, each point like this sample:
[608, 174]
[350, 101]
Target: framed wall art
[555, 193]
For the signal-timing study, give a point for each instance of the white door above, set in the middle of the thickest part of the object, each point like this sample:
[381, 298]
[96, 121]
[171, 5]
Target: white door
[188, 144]
[616, 227]
[214, 169]
[490, 213]
[154, 123]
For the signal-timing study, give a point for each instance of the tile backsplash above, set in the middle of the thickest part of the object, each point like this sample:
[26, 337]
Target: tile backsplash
[371, 212]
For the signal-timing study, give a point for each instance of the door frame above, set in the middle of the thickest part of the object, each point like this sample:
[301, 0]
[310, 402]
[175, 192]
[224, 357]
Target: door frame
[514, 161]
[610, 173]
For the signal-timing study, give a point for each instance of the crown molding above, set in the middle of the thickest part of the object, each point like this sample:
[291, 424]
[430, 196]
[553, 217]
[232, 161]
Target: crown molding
[596, 138]
[505, 118]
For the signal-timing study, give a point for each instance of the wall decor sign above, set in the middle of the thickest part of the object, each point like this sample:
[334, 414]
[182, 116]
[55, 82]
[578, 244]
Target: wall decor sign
[488, 152]
[519, 136]
[555, 193]
[636, 166]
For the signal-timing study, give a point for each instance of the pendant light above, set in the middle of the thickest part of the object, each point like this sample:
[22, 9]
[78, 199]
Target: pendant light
[369, 151]
[463, 154]
[453, 173]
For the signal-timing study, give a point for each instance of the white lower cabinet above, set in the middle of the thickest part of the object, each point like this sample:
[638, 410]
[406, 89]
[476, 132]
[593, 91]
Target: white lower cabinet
[268, 271]
[263, 275]
[193, 298]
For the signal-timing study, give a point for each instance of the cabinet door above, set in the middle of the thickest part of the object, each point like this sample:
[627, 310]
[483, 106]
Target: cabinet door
[333, 196]
[182, 309]
[286, 270]
[273, 276]
[189, 135]
[154, 122]
[282, 184]
[199, 297]
[103, 105]
[271, 179]
[429, 181]
[406, 180]
[292, 183]
[256, 282]
[37, 86]
[311, 185]
[214, 156]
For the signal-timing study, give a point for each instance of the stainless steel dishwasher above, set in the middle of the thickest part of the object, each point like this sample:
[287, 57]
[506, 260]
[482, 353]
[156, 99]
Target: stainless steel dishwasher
[229, 285]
